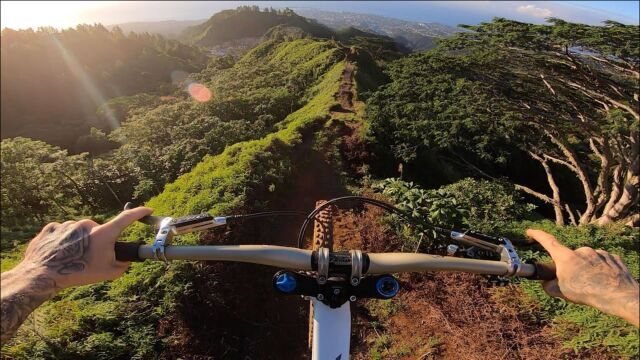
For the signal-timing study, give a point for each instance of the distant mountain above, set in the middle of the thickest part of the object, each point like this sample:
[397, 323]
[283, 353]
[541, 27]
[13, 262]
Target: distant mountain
[169, 28]
[236, 31]
[414, 35]
[248, 22]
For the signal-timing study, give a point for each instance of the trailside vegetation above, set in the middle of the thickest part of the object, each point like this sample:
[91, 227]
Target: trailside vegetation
[565, 95]
[496, 207]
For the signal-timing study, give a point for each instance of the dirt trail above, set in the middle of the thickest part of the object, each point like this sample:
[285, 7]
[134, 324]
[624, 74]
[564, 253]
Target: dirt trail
[344, 96]
[236, 314]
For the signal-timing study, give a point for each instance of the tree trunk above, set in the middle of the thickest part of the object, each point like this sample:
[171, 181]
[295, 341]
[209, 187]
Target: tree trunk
[616, 190]
[626, 194]
[557, 203]
[629, 195]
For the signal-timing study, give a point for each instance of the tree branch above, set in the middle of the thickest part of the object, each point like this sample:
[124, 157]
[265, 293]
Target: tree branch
[582, 175]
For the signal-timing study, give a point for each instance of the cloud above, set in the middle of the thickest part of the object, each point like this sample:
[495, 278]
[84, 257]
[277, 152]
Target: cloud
[534, 11]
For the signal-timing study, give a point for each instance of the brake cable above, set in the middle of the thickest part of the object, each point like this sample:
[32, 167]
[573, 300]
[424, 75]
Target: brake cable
[264, 214]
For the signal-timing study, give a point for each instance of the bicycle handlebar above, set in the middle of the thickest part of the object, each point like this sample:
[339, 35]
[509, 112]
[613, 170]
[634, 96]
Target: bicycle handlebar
[299, 259]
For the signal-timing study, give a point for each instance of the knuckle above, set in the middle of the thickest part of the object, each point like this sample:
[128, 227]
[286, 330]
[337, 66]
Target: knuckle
[86, 223]
[51, 227]
[586, 251]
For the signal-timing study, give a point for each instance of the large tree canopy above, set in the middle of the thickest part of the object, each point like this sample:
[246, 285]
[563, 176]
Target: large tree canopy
[566, 94]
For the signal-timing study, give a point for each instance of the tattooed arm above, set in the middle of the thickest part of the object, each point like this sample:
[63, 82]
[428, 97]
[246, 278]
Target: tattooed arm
[591, 277]
[61, 256]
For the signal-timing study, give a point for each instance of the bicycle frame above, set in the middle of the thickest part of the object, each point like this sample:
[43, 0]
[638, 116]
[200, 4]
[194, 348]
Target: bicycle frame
[331, 331]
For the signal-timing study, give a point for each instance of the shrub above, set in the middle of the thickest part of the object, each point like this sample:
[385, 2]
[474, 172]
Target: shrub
[481, 205]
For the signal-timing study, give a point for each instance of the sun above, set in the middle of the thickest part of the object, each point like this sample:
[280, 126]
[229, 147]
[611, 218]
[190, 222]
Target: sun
[58, 14]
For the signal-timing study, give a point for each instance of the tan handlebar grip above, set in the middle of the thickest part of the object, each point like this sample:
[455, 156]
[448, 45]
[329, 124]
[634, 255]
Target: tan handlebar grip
[544, 271]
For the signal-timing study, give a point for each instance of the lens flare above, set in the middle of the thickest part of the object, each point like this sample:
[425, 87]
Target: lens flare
[86, 81]
[199, 92]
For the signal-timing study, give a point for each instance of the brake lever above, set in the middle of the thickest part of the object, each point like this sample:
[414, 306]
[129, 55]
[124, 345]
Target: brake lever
[168, 227]
[498, 245]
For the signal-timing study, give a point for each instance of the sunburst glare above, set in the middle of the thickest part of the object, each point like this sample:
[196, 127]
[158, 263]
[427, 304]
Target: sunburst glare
[87, 83]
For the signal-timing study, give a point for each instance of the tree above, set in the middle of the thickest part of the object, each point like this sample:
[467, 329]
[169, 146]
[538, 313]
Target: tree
[560, 93]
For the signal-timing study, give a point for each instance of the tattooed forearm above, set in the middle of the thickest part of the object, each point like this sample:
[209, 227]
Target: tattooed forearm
[56, 253]
[61, 256]
[22, 291]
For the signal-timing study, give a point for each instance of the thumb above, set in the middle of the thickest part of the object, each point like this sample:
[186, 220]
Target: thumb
[113, 228]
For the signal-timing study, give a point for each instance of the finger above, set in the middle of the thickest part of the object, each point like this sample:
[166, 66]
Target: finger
[608, 258]
[587, 252]
[118, 270]
[88, 223]
[549, 242]
[552, 288]
[603, 254]
[114, 227]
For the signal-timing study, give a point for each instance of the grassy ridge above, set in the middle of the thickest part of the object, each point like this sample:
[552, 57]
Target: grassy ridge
[221, 183]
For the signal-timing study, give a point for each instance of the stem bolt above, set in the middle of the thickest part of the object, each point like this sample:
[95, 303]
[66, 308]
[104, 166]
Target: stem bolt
[320, 297]
[352, 298]
[336, 291]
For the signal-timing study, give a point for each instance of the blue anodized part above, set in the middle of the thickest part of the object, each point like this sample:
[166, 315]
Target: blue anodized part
[387, 286]
[286, 282]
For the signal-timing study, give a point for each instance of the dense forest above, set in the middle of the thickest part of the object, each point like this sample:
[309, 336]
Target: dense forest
[53, 81]
[502, 127]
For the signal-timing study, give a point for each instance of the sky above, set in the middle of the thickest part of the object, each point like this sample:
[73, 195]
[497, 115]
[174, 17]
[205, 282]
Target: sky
[62, 14]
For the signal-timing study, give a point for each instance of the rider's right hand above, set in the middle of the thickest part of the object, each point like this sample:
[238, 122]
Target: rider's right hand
[591, 277]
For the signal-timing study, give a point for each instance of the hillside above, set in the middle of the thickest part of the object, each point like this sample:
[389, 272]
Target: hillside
[236, 31]
[77, 70]
[238, 179]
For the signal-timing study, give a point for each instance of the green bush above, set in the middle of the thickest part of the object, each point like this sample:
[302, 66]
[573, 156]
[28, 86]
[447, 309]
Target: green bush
[482, 205]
